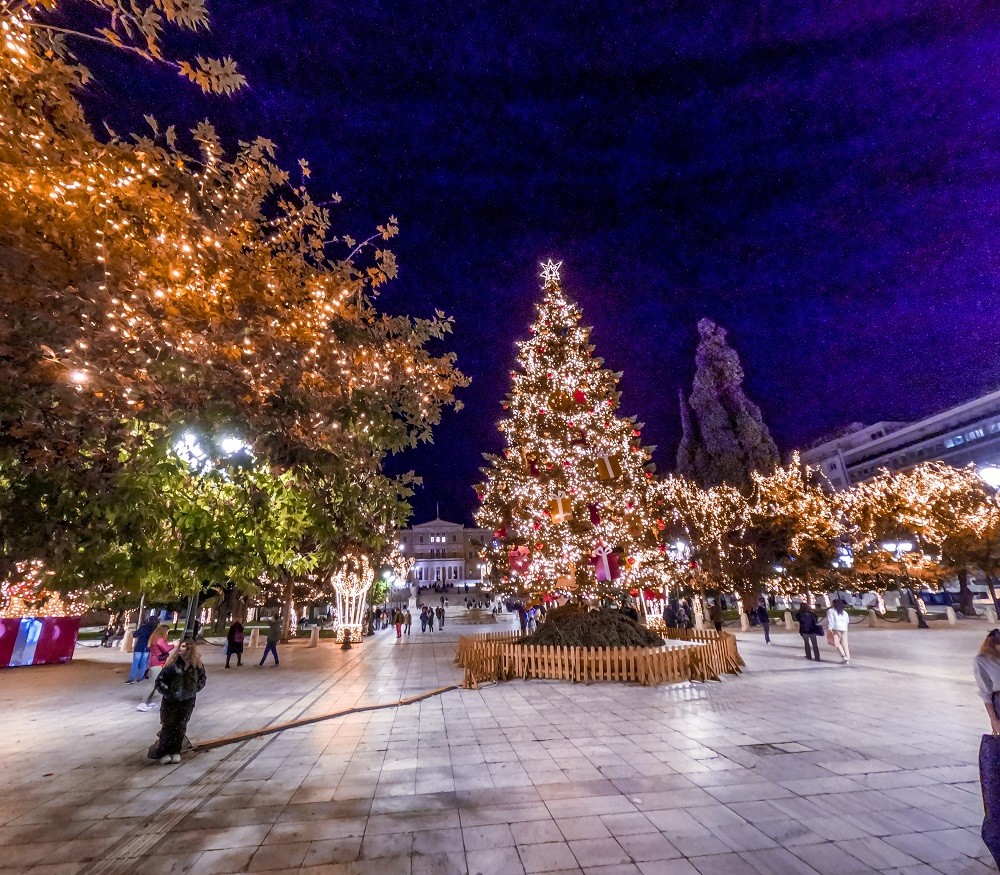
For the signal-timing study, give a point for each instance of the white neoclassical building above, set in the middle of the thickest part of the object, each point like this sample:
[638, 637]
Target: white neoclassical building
[443, 552]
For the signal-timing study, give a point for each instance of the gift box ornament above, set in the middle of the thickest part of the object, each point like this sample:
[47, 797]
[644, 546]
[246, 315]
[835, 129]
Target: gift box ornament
[560, 509]
[605, 562]
[609, 467]
[520, 559]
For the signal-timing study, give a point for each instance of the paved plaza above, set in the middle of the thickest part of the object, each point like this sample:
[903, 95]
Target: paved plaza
[792, 768]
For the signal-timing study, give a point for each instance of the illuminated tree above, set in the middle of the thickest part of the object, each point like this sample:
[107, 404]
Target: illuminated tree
[724, 438]
[705, 518]
[142, 284]
[567, 500]
[799, 525]
[953, 514]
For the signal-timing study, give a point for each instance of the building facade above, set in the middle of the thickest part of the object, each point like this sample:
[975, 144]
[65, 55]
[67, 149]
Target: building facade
[443, 552]
[968, 433]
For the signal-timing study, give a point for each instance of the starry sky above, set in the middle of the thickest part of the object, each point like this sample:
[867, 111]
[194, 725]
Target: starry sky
[820, 177]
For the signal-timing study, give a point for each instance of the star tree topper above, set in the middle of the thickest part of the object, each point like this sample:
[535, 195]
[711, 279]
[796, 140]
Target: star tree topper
[550, 272]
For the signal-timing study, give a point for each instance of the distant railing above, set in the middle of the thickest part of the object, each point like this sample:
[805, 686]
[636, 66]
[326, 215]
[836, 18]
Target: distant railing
[703, 656]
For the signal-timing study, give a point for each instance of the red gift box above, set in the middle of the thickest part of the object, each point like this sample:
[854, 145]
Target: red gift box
[605, 562]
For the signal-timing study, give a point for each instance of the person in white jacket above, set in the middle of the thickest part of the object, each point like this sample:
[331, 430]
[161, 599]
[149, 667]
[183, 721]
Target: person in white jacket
[837, 622]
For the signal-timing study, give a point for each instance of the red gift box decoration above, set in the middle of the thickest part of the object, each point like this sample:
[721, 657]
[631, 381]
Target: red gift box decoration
[605, 562]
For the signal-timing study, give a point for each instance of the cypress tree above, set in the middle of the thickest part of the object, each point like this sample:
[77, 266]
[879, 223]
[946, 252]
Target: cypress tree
[724, 437]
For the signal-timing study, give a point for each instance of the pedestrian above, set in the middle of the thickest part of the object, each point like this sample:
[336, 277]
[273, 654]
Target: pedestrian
[522, 616]
[408, 617]
[837, 623]
[716, 613]
[440, 614]
[423, 618]
[378, 618]
[809, 628]
[273, 637]
[182, 678]
[159, 650]
[430, 619]
[764, 619]
[986, 669]
[688, 614]
[234, 643]
[397, 621]
[670, 615]
[140, 650]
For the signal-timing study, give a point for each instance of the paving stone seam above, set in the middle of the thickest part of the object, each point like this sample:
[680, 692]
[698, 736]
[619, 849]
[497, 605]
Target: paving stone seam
[121, 857]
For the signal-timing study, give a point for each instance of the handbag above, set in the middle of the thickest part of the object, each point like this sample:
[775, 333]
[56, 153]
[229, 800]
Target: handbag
[989, 780]
[817, 629]
[829, 637]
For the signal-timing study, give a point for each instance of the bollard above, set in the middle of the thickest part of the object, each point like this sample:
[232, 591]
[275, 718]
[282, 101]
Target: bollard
[952, 619]
[872, 619]
[254, 639]
[127, 641]
[313, 636]
[789, 622]
[911, 615]
[744, 622]
[991, 614]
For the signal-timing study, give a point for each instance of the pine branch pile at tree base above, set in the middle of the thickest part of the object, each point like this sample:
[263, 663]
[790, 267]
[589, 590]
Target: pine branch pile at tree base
[573, 626]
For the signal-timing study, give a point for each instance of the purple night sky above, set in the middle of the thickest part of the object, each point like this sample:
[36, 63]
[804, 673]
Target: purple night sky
[821, 177]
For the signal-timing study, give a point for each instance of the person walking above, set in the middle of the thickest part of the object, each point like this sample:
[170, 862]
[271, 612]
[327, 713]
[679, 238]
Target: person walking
[716, 613]
[423, 619]
[837, 623]
[182, 678]
[273, 637]
[397, 621]
[440, 615]
[764, 619]
[408, 617]
[430, 619]
[159, 650]
[140, 650]
[234, 643]
[809, 628]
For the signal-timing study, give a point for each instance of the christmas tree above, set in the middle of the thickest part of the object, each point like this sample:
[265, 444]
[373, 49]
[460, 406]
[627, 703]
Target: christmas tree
[568, 500]
[724, 439]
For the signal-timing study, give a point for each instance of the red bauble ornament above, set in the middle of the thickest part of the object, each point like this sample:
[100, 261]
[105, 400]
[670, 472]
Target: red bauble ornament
[579, 396]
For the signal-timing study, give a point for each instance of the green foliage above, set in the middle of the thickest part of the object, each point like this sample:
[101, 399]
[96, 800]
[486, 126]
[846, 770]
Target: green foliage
[572, 626]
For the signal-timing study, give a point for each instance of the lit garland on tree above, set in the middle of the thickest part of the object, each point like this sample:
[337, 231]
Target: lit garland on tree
[141, 283]
[23, 594]
[568, 500]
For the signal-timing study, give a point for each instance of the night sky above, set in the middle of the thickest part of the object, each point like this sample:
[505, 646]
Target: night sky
[821, 177]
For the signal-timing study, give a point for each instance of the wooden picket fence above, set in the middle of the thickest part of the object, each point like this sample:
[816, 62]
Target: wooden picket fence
[496, 656]
[720, 655]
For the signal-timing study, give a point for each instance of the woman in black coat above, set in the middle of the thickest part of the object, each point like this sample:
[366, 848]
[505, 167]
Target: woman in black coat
[809, 628]
[234, 643]
[182, 678]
